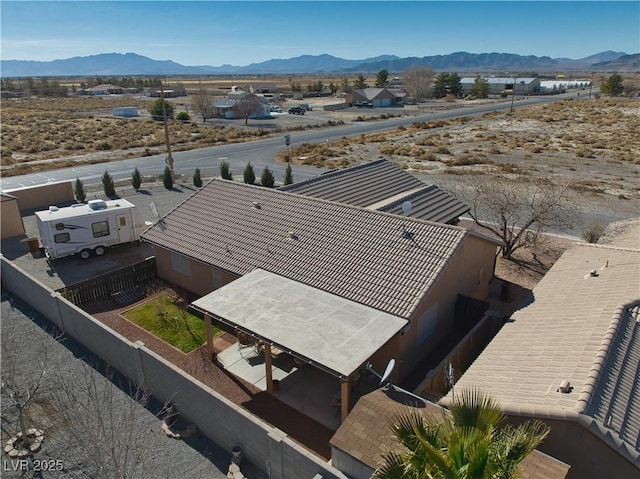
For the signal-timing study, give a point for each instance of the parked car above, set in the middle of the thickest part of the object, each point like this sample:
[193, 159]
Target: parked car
[296, 110]
[275, 109]
[364, 104]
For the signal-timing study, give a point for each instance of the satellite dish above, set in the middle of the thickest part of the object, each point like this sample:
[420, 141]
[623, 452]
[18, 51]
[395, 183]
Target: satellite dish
[406, 207]
[387, 372]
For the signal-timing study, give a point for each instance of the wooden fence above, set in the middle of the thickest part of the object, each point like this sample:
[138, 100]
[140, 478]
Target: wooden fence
[112, 283]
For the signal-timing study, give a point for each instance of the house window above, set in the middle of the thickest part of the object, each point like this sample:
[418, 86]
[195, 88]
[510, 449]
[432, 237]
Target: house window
[181, 264]
[427, 324]
[61, 238]
[217, 278]
[100, 229]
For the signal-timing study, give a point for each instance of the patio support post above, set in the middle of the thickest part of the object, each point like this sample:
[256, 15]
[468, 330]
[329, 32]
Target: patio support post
[345, 387]
[208, 328]
[267, 366]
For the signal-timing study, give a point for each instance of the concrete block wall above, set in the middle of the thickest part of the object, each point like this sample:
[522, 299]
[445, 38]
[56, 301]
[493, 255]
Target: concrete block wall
[219, 419]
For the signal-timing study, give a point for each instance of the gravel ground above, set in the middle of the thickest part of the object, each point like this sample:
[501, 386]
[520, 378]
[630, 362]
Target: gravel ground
[195, 457]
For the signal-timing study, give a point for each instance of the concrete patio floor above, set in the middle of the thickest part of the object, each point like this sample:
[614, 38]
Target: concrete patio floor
[307, 389]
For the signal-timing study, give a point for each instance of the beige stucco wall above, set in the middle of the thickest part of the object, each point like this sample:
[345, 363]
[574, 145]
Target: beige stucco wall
[10, 219]
[41, 197]
[588, 456]
[468, 273]
[200, 281]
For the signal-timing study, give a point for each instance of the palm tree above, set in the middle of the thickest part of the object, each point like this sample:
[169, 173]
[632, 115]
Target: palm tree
[467, 442]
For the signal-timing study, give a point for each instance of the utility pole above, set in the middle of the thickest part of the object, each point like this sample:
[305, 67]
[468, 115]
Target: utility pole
[169, 159]
[513, 93]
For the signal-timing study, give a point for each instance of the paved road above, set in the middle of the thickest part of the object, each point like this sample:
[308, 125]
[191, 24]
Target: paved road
[259, 152]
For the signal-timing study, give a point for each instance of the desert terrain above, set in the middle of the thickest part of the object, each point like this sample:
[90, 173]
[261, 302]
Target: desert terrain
[594, 144]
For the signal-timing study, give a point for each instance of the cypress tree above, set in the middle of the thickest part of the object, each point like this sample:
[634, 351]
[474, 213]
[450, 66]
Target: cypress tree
[80, 195]
[197, 180]
[136, 179]
[267, 178]
[108, 185]
[249, 175]
[166, 178]
[225, 173]
[288, 175]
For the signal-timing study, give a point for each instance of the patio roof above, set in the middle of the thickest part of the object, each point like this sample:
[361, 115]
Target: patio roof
[331, 332]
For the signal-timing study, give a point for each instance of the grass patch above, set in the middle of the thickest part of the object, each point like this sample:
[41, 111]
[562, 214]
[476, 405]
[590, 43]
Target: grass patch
[163, 318]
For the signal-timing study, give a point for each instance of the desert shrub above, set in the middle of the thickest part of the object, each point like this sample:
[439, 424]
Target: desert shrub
[183, 116]
[442, 150]
[593, 232]
[585, 153]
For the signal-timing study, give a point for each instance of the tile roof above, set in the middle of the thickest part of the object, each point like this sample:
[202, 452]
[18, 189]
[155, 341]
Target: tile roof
[383, 186]
[582, 328]
[361, 255]
[366, 434]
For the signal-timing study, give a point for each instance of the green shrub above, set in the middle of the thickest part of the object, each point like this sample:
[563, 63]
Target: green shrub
[248, 175]
[288, 175]
[267, 180]
[136, 179]
[225, 172]
[167, 178]
[79, 193]
[183, 116]
[197, 180]
[108, 185]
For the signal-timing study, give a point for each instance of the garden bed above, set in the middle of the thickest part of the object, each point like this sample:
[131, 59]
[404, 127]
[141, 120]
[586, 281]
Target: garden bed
[164, 317]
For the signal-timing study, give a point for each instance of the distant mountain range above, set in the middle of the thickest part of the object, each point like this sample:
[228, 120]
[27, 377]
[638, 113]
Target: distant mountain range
[129, 64]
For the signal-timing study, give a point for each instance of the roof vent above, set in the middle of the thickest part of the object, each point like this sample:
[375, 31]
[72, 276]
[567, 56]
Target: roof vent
[594, 273]
[257, 205]
[53, 208]
[565, 387]
[293, 235]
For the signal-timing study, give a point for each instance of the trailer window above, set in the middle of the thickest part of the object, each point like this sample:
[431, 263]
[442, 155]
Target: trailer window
[100, 229]
[61, 237]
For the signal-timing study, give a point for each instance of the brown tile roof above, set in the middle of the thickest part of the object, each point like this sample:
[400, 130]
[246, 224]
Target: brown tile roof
[582, 328]
[366, 434]
[361, 255]
[382, 186]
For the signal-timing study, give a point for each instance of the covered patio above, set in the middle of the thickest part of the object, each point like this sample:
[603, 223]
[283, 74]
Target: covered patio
[283, 318]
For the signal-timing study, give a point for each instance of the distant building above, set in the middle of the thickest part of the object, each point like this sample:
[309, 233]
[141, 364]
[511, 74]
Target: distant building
[105, 89]
[499, 85]
[375, 97]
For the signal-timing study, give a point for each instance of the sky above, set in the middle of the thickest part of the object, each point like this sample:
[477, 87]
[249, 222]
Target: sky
[242, 32]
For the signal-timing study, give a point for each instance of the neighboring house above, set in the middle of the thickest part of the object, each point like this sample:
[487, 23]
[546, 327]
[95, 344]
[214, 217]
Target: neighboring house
[374, 97]
[571, 357]
[380, 185]
[10, 216]
[169, 92]
[225, 108]
[262, 88]
[412, 271]
[358, 446]
[105, 89]
[498, 85]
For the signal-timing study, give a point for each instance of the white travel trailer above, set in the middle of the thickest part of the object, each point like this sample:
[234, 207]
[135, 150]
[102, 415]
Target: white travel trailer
[88, 228]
